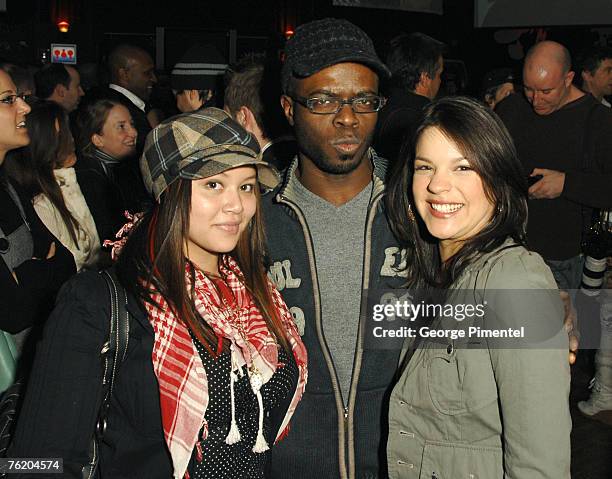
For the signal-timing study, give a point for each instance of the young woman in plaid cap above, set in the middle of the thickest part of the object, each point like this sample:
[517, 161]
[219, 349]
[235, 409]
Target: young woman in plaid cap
[215, 366]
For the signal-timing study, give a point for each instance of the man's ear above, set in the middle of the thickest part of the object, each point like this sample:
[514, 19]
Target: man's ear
[246, 118]
[123, 75]
[287, 105]
[246, 115]
[568, 78]
[97, 140]
[586, 76]
[422, 88]
[242, 116]
[59, 91]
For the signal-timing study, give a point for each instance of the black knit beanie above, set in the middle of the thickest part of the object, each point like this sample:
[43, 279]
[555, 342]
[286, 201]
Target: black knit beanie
[323, 43]
[198, 69]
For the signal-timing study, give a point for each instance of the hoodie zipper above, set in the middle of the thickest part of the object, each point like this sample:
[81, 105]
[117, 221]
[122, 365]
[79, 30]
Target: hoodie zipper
[350, 409]
[343, 426]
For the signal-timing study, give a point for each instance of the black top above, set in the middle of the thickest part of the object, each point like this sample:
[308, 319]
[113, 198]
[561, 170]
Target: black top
[29, 301]
[280, 152]
[102, 195]
[575, 139]
[109, 193]
[397, 120]
[221, 460]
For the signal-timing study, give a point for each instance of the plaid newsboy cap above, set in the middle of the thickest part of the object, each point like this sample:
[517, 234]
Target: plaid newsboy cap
[198, 145]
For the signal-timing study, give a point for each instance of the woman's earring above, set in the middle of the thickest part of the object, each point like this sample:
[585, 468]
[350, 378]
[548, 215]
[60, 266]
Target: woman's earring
[410, 213]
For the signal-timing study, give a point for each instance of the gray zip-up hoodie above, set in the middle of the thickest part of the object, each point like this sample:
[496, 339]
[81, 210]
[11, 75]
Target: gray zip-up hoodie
[327, 440]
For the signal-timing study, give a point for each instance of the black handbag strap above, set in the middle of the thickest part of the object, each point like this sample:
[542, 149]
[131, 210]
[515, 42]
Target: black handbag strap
[113, 353]
[115, 349]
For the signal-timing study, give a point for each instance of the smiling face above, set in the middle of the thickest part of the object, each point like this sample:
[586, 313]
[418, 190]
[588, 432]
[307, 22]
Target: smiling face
[336, 143]
[118, 136]
[448, 194]
[139, 76]
[13, 131]
[221, 208]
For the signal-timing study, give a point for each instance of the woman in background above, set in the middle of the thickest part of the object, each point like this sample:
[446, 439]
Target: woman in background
[33, 264]
[46, 171]
[106, 138]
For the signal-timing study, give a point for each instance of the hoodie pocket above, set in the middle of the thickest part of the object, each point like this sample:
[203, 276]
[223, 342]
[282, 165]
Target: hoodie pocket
[444, 460]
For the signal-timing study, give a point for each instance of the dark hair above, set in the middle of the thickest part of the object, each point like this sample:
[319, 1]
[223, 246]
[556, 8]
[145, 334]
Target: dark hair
[48, 77]
[590, 60]
[154, 257]
[411, 55]
[254, 82]
[483, 139]
[90, 120]
[49, 145]
[21, 76]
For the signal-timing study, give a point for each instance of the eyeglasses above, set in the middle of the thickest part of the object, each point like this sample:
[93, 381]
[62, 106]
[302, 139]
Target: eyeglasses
[11, 99]
[329, 105]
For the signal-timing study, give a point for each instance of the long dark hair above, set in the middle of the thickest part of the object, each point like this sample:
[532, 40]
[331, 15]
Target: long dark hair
[50, 143]
[483, 139]
[154, 255]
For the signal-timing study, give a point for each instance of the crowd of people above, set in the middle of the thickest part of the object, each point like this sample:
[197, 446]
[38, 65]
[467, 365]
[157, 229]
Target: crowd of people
[247, 239]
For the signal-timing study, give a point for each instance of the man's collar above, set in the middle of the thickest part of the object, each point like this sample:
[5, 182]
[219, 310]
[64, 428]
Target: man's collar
[138, 103]
[378, 175]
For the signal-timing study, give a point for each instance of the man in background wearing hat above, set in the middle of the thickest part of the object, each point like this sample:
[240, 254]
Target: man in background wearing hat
[497, 85]
[416, 66]
[329, 241]
[196, 77]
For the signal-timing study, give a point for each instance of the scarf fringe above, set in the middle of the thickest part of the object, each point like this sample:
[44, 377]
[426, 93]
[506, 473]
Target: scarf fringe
[233, 436]
[260, 444]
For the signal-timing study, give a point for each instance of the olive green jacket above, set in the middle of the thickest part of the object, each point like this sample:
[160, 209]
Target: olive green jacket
[483, 411]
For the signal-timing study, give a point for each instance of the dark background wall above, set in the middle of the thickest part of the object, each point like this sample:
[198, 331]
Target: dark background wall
[29, 27]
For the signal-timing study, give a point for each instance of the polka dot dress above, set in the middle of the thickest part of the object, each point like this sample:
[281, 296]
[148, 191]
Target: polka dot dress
[221, 460]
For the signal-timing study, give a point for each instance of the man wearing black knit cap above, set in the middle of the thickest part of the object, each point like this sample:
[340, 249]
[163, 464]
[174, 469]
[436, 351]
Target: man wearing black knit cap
[329, 241]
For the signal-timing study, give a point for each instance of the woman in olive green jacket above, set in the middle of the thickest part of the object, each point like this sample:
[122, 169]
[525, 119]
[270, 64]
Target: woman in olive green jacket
[472, 407]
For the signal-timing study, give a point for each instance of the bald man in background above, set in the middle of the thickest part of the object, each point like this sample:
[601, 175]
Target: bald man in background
[562, 137]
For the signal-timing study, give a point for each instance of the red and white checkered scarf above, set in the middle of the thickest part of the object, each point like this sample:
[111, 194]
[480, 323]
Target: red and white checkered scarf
[183, 386]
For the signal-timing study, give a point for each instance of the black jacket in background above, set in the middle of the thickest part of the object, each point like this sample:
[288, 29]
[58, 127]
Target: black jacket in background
[30, 302]
[397, 120]
[109, 196]
[575, 139]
